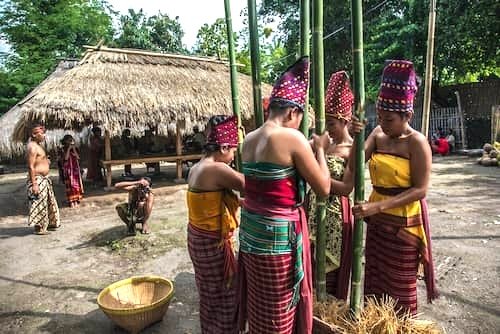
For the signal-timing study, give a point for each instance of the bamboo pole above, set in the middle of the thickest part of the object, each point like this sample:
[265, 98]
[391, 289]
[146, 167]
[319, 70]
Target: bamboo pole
[255, 61]
[428, 69]
[234, 80]
[319, 107]
[359, 190]
[305, 27]
[462, 120]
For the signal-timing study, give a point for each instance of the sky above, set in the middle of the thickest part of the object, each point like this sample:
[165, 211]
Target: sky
[192, 13]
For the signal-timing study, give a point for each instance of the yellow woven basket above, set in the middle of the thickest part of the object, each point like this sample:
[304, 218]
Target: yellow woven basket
[137, 302]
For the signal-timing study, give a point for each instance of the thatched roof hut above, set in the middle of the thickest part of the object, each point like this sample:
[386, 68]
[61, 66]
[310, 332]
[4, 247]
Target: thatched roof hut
[8, 121]
[131, 88]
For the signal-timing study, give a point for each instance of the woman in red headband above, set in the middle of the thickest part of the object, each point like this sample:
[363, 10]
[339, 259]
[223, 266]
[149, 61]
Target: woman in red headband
[212, 220]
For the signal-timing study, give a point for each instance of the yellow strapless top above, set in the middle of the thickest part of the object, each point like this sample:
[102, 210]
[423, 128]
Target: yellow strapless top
[213, 210]
[390, 171]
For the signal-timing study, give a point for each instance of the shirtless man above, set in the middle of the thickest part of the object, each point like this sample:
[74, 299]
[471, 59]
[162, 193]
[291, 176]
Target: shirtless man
[43, 209]
[139, 206]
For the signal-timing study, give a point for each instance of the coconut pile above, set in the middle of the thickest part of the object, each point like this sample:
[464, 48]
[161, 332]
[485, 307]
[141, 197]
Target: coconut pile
[491, 156]
[378, 316]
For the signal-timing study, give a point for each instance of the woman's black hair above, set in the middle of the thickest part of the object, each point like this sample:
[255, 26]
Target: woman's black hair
[212, 122]
[148, 179]
[66, 139]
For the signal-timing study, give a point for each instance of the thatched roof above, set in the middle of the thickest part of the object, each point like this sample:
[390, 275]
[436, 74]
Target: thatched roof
[8, 121]
[130, 88]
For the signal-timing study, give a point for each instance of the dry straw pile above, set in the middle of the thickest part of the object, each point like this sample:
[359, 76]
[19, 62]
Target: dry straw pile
[377, 317]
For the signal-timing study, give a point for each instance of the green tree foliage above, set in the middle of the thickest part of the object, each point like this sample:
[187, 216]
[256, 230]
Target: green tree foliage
[211, 40]
[41, 32]
[466, 40]
[157, 33]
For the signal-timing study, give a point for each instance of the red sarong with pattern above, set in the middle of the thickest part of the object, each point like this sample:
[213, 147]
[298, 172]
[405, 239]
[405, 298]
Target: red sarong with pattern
[218, 302]
[266, 281]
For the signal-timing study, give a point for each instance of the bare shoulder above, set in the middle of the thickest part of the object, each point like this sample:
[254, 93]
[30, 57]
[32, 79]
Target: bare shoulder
[418, 139]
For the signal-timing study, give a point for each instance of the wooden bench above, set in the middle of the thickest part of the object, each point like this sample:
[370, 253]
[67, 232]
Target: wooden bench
[178, 159]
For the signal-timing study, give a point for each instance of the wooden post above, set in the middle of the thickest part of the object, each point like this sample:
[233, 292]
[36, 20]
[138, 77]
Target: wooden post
[462, 120]
[178, 151]
[107, 157]
[426, 111]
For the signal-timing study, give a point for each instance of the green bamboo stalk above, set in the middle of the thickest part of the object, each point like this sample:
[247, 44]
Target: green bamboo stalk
[305, 27]
[234, 79]
[255, 61]
[359, 190]
[319, 107]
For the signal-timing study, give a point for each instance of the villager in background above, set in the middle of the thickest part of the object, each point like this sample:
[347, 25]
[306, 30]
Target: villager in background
[94, 168]
[69, 160]
[398, 239]
[43, 209]
[339, 222]
[139, 206]
[212, 207]
[275, 260]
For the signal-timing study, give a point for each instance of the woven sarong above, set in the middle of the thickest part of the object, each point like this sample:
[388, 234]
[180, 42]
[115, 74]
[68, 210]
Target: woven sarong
[43, 209]
[397, 240]
[72, 179]
[218, 304]
[275, 264]
[339, 226]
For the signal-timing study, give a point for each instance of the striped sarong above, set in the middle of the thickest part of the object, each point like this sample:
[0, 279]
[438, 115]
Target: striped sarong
[391, 268]
[218, 302]
[398, 240]
[275, 264]
[43, 209]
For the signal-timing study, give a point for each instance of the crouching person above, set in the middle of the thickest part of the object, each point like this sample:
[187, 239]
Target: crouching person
[139, 206]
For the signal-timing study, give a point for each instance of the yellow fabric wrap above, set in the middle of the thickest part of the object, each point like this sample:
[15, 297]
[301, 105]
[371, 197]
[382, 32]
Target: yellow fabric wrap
[213, 210]
[390, 171]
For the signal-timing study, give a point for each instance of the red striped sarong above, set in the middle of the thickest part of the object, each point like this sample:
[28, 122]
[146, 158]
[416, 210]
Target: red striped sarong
[269, 282]
[218, 304]
[391, 267]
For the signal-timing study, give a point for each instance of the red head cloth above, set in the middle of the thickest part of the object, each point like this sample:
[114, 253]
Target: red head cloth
[37, 129]
[291, 88]
[225, 133]
[398, 88]
[339, 97]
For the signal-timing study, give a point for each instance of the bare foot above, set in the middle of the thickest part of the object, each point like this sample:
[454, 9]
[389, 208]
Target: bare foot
[145, 229]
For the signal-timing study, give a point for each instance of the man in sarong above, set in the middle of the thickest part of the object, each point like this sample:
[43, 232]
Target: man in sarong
[139, 206]
[213, 219]
[43, 209]
[275, 264]
[398, 238]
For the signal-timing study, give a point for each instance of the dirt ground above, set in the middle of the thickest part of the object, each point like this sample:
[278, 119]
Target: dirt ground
[49, 284]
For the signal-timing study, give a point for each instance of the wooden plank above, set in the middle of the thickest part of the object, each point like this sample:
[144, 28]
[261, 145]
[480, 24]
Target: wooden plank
[168, 158]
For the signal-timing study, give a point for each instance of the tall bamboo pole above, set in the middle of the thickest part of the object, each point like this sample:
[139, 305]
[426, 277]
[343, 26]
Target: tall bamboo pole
[319, 107]
[255, 61]
[428, 68]
[305, 26]
[359, 191]
[234, 79]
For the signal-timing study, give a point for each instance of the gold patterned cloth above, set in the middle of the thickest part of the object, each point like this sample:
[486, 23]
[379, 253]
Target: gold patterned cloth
[43, 209]
[334, 219]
